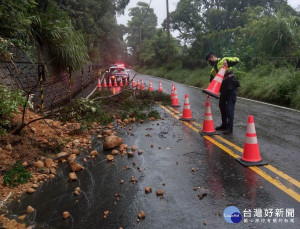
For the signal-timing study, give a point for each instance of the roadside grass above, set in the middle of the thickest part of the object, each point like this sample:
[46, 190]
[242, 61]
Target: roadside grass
[277, 85]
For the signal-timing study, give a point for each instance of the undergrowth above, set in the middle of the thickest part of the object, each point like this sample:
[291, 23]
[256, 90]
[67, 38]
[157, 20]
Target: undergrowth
[16, 175]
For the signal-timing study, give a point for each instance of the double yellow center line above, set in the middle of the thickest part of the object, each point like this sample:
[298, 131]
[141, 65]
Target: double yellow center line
[213, 139]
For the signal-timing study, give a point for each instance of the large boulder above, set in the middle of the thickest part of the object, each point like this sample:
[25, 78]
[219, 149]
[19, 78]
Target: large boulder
[112, 142]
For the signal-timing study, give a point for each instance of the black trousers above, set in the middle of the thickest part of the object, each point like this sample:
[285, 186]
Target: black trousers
[226, 105]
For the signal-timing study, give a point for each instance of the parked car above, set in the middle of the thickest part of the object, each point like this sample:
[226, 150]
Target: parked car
[118, 72]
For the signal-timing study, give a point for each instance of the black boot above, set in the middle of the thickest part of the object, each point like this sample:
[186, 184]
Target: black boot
[221, 127]
[228, 131]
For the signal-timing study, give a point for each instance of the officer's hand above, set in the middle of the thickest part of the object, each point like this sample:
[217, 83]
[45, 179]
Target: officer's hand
[225, 63]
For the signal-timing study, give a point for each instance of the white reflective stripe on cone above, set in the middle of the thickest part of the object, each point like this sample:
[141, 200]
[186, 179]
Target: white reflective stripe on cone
[207, 110]
[222, 71]
[251, 140]
[186, 101]
[208, 117]
[187, 107]
[250, 128]
[218, 79]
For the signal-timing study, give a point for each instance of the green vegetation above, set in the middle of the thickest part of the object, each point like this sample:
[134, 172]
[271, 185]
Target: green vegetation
[279, 85]
[16, 175]
[10, 100]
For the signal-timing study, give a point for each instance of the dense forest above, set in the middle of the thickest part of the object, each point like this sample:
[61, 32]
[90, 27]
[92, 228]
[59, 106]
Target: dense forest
[264, 34]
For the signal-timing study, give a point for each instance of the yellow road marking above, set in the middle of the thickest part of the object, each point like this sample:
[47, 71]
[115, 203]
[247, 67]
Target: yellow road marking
[266, 176]
[270, 167]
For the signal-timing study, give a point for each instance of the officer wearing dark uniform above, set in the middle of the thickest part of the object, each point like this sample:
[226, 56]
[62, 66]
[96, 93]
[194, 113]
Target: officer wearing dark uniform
[227, 90]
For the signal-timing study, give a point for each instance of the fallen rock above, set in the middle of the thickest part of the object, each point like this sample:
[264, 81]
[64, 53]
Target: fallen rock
[72, 157]
[115, 152]
[72, 176]
[124, 146]
[159, 192]
[112, 141]
[192, 170]
[65, 214]
[140, 151]
[121, 181]
[39, 164]
[22, 217]
[8, 147]
[141, 215]
[106, 132]
[51, 176]
[35, 186]
[130, 154]
[133, 148]
[75, 167]
[30, 190]
[94, 153]
[25, 164]
[204, 222]
[49, 163]
[148, 189]
[77, 189]
[201, 196]
[133, 180]
[127, 167]
[99, 136]
[76, 193]
[29, 209]
[109, 157]
[76, 151]
[62, 155]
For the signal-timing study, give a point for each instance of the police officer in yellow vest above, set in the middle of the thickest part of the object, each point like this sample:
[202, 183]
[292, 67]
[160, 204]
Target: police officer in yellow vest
[227, 90]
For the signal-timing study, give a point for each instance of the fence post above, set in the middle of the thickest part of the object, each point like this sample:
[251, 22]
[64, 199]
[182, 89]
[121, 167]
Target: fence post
[41, 74]
[69, 69]
[82, 79]
[89, 75]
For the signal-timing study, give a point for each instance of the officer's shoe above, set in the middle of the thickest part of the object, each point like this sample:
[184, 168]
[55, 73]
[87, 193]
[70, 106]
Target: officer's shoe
[228, 131]
[221, 127]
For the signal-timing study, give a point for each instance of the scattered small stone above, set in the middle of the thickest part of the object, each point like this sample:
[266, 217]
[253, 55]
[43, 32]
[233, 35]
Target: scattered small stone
[115, 152]
[51, 176]
[176, 162]
[75, 167]
[30, 190]
[159, 147]
[76, 151]
[121, 181]
[72, 157]
[94, 153]
[130, 154]
[99, 136]
[35, 186]
[106, 214]
[84, 159]
[195, 188]
[141, 121]
[201, 196]
[76, 193]
[159, 192]
[204, 222]
[133, 148]
[140, 151]
[29, 209]
[72, 176]
[22, 217]
[8, 147]
[192, 170]
[141, 215]
[151, 145]
[39, 164]
[140, 170]
[65, 214]
[109, 157]
[134, 163]
[127, 167]
[163, 184]
[148, 189]
[133, 180]
[25, 164]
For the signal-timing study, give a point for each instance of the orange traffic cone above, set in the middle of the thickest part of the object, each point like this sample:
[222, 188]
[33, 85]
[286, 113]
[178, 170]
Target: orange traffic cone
[133, 83]
[109, 83]
[150, 86]
[251, 154]
[208, 123]
[215, 85]
[175, 102]
[121, 83]
[138, 83]
[115, 83]
[160, 87]
[172, 91]
[142, 84]
[104, 83]
[186, 114]
[99, 83]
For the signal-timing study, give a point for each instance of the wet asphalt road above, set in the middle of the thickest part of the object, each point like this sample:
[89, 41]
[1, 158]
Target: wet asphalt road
[176, 149]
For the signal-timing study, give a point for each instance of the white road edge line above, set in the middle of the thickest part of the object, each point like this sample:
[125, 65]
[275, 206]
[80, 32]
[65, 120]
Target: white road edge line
[269, 104]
